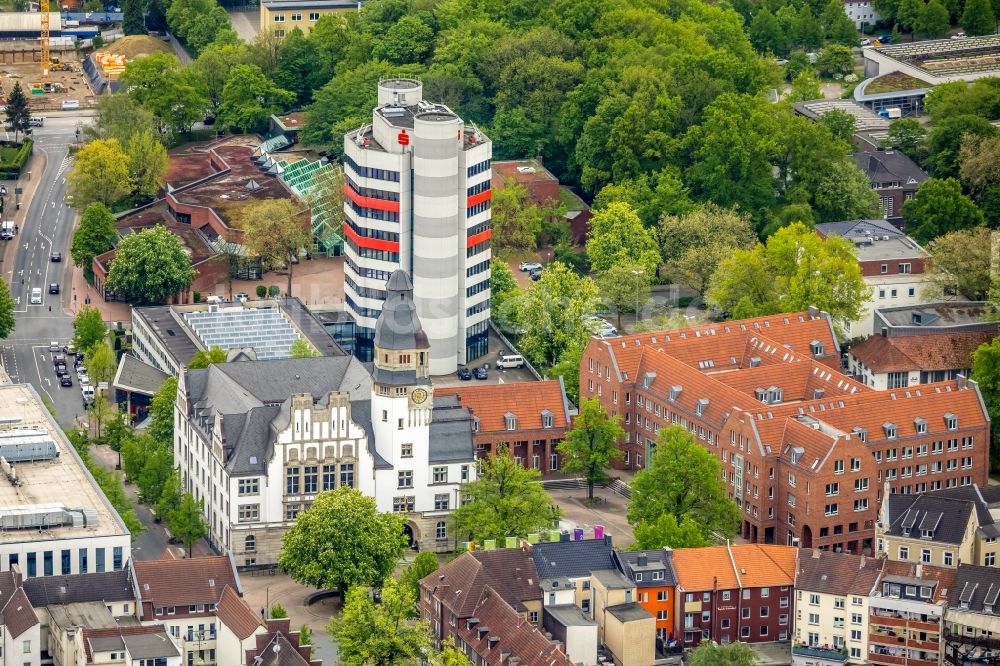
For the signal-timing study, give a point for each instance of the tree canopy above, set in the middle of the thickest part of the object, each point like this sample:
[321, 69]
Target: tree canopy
[505, 500]
[276, 231]
[100, 174]
[342, 542]
[938, 207]
[961, 262]
[683, 480]
[95, 235]
[89, 328]
[591, 446]
[695, 243]
[617, 236]
[150, 267]
[733, 654]
[986, 372]
[383, 633]
[206, 357]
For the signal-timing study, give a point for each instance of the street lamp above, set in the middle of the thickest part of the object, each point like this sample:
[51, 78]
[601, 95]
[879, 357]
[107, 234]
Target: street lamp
[637, 272]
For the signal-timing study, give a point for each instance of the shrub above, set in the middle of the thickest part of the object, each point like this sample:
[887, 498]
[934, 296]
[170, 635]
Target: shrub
[273, 291]
[261, 291]
[197, 297]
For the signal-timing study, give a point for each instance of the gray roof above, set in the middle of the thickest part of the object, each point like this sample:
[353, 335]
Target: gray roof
[450, 431]
[361, 413]
[661, 560]
[946, 518]
[273, 381]
[568, 615]
[859, 229]
[613, 579]
[103, 587]
[573, 559]
[171, 333]
[629, 612]
[883, 166]
[978, 587]
[86, 614]
[946, 315]
[106, 643]
[308, 323]
[398, 327]
[148, 646]
[134, 375]
[874, 240]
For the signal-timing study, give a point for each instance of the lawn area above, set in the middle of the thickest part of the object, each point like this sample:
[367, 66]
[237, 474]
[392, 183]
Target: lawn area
[8, 153]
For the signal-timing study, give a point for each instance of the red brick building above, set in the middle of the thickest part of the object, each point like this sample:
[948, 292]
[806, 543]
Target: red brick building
[530, 417]
[734, 593]
[805, 449]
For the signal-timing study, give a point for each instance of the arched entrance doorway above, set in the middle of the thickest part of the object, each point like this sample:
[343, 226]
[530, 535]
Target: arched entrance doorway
[807, 537]
[412, 536]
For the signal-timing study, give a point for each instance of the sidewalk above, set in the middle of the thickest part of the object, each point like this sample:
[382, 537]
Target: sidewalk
[35, 165]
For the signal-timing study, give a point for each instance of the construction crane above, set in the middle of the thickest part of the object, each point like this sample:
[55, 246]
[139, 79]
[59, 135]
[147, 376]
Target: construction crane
[43, 7]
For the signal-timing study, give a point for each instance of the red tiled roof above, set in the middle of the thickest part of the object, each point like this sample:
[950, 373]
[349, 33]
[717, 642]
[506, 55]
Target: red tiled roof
[234, 612]
[198, 580]
[510, 571]
[18, 614]
[933, 351]
[729, 567]
[827, 572]
[517, 637]
[527, 400]
[945, 577]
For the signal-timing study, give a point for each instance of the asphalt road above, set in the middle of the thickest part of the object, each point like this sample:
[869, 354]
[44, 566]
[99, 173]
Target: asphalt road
[47, 226]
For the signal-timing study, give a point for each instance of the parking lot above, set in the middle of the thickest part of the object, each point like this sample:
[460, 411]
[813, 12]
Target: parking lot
[495, 376]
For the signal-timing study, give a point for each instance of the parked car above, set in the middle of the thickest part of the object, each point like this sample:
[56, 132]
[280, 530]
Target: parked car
[535, 275]
[481, 373]
[958, 35]
[885, 39]
[528, 266]
[866, 42]
[464, 374]
[54, 288]
[65, 380]
[54, 346]
[782, 62]
[506, 361]
[56, 256]
[36, 295]
[242, 297]
[36, 121]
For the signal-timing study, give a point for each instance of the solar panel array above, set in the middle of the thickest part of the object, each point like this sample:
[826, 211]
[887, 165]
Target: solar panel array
[264, 329]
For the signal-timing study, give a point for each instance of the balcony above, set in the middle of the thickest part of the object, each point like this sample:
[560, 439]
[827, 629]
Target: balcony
[820, 652]
[898, 620]
[890, 660]
[890, 638]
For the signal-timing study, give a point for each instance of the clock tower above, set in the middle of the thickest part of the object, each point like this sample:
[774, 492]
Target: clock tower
[402, 395]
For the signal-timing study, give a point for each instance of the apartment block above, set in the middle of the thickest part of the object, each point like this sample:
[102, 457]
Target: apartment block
[906, 615]
[805, 450]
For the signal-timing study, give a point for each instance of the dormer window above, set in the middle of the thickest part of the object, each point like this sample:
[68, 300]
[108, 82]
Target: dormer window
[890, 430]
[920, 425]
[701, 406]
[547, 419]
[675, 392]
[647, 379]
[951, 421]
[816, 347]
[638, 577]
[754, 361]
[861, 433]
[510, 421]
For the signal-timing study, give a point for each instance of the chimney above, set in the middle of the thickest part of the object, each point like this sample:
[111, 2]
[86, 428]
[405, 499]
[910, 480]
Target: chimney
[813, 311]
[607, 539]
[962, 381]
[643, 560]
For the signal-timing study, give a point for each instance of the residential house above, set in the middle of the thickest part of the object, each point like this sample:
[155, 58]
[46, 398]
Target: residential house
[282, 16]
[831, 607]
[531, 418]
[945, 317]
[892, 265]
[239, 626]
[21, 635]
[945, 528]
[545, 190]
[862, 13]
[734, 593]
[575, 562]
[900, 362]
[628, 634]
[567, 623]
[972, 620]
[906, 614]
[135, 646]
[893, 176]
[258, 440]
[805, 449]
[653, 573]
[278, 645]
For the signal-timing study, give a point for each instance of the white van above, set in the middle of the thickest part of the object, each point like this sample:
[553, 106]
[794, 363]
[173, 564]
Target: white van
[88, 392]
[507, 361]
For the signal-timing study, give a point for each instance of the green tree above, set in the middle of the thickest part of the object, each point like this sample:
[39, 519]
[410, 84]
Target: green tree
[617, 236]
[119, 117]
[835, 59]
[960, 262]
[100, 174]
[906, 135]
[173, 94]
[409, 40]
[197, 23]
[840, 123]
[978, 17]
[624, 288]
[89, 329]
[503, 287]
[795, 270]
[449, 655]
[297, 71]
[249, 98]
[206, 357]
[382, 634]
[944, 143]
[101, 362]
[150, 267]
[277, 611]
[843, 192]
[147, 164]
[766, 34]
[550, 312]
[733, 654]
[683, 480]
[516, 219]
[694, 244]
[568, 368]
[186, 523]
[651, 195]
[342, 542]
[424, 564]
[979, 169]
[17, 111]
[275, 230]
[302, 349]
[505, 500]
[170, 496]
[7, 321]
[135, 20]
[306, 637]
[665, 532]
[161, 412]
[115, 435]
[156, 471]
[805, 87]
[95, 235]
[986, 372]
[592, 445]
[939, 207]
[213, 67]
[933, 20]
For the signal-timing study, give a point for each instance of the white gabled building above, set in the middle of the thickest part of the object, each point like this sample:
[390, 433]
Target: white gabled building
[258, 440]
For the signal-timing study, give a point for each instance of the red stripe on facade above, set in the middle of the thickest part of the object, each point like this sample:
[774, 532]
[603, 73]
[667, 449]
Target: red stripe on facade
[370, 202]
[479, 238]
[370, 243]
[478, 198]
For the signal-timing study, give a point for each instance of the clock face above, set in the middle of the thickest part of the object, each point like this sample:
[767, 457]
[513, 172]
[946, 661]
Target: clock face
[418, 395]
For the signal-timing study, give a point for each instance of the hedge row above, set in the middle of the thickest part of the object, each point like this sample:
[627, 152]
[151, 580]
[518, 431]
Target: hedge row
[11, 170]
